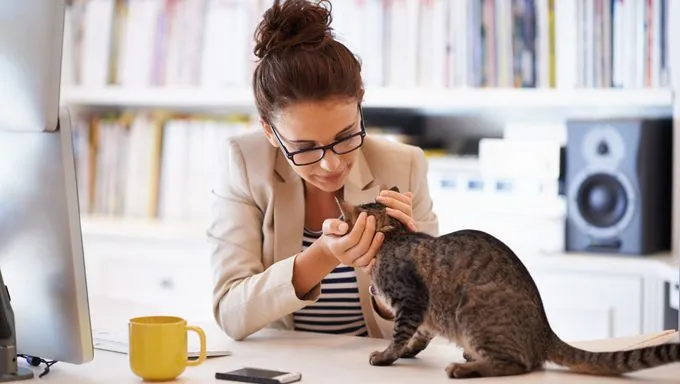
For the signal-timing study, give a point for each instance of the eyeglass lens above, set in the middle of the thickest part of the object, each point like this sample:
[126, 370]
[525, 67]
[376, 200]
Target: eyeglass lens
[339, 148]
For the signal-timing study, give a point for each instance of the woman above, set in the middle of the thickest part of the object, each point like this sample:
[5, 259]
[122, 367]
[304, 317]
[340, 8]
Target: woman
[281, 255]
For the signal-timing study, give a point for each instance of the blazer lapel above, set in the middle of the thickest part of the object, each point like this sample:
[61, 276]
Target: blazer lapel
[361, 186]
[288, 209]
[289, 217]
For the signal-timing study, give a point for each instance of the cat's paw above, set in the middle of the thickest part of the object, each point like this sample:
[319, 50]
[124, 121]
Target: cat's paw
[467, 356]
[461, 371]
[380, 358]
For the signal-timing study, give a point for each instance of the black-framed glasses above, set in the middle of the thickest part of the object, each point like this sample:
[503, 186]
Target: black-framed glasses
[312, 155]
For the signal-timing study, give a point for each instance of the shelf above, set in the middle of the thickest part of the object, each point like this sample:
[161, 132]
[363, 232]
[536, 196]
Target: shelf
[450, 99]
[189, 98]
[470, 99]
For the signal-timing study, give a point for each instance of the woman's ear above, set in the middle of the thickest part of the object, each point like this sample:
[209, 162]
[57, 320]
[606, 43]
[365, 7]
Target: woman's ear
[269, 134]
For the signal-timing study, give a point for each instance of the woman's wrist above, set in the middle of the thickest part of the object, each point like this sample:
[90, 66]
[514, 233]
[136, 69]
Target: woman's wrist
[310, 267]
[325, 255]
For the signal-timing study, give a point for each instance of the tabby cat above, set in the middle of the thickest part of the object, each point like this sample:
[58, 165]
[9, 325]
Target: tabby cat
[469, 287]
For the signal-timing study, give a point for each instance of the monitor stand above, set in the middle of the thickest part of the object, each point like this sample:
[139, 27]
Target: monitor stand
[9, 371]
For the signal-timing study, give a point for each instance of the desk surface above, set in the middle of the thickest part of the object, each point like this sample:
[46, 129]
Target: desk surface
[322, 358]
[344, 359]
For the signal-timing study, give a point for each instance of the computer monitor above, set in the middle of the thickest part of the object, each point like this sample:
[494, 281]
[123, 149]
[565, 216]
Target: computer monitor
[31, 37]
[41, 250]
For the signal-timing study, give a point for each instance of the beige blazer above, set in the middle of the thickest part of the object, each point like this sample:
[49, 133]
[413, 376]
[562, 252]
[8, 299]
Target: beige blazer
[257, 224]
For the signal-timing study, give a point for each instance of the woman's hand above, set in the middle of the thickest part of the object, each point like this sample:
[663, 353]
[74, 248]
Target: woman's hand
[356, 248]
[399, 206]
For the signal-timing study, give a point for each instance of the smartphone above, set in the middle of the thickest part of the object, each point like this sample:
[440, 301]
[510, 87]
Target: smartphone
[261, 376]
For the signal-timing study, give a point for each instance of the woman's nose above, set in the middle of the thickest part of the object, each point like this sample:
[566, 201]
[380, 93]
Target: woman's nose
[330, 161]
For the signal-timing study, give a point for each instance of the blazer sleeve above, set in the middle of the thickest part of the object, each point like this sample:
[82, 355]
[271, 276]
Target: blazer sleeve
[423, 214]
[246, 296]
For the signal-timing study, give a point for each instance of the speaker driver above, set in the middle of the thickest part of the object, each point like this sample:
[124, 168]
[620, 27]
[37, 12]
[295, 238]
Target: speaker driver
[602, 201]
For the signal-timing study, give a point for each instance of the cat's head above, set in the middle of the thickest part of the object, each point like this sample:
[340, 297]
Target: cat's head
[384, 222]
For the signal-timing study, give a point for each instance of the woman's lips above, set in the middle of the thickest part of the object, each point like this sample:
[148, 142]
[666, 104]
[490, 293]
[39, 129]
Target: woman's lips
[332, 177]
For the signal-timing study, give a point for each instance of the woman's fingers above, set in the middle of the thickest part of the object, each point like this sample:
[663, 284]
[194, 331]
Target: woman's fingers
[354, 236]
[369, 256]
[395, 203]
[403, 197]
[399, 206]
[362, 246]
[403, 218]
[334, 227]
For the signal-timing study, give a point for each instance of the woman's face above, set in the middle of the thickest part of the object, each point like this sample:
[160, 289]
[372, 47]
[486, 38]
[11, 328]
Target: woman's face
[312, 124]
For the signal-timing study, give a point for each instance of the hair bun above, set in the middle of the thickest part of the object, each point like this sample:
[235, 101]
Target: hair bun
[295, 24]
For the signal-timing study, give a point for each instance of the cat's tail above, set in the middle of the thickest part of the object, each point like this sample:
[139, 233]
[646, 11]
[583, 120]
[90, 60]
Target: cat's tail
[611, 363]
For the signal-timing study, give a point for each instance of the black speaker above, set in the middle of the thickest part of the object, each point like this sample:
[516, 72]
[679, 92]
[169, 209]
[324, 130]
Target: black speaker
[618, 186]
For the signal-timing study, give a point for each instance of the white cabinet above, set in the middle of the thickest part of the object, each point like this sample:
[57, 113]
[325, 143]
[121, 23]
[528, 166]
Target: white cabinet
[173, 275]
[586, 306]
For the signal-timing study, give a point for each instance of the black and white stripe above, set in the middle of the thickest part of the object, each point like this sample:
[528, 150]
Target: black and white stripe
[337, 310]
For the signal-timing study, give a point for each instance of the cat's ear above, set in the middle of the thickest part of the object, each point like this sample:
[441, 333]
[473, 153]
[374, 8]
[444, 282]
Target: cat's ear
[395, 189]
[386, 228]
[349, 211]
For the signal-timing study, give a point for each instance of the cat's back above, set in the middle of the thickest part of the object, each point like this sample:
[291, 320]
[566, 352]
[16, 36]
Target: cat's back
[463, 243]
[403, 245]
[481, 257]
[473, 240]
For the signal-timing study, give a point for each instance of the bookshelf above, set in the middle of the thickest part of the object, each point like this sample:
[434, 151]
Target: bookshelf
[451, 56]
[153, 82]
[403, 44]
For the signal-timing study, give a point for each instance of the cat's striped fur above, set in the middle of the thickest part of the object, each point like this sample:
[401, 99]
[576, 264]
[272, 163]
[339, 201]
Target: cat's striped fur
[471, 288]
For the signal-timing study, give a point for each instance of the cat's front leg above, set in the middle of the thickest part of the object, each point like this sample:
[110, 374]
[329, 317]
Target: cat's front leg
[406, 323]
[418, 343]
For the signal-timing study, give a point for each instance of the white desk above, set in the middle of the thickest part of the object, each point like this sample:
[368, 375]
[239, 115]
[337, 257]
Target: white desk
[333, 359]
[324, 358]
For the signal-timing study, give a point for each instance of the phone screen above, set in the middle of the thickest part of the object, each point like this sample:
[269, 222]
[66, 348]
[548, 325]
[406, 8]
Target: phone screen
[256, 372]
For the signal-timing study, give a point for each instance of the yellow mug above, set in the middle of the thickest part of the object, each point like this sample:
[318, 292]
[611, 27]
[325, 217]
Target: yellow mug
[159, 347]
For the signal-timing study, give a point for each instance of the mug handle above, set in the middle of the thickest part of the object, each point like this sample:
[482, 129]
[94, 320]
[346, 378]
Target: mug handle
[201, 336]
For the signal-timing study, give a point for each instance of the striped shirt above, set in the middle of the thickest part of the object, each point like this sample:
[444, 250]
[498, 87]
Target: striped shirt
[337, 310]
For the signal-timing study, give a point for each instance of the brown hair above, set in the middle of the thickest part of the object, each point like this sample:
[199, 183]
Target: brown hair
[300, 60]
